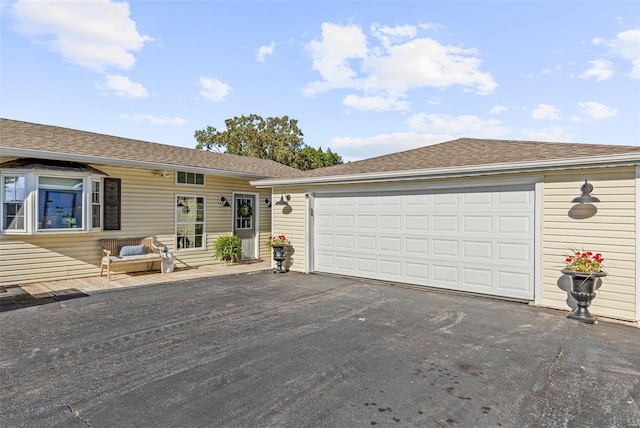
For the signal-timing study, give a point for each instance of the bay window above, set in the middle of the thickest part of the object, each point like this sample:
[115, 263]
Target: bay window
[46, 201]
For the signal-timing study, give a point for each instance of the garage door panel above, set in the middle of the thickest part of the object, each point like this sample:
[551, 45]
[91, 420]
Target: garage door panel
[478, 250]
[478, 240]
[508, 252]
[390, 267]
[345, 263]
[390, 223]
[444, 274]
[514, 225]
[365, 243]
[445, 247]
[324, 241]
[445, 224]
[416, 271]
[416, 223]
[344, 242]
[417, 201]
[447, 199]
[477, 199]
[366, 222]
[393, 244]
[344, 221]
[367, 266]
[477, 224]
[416, 247]
[477, 278]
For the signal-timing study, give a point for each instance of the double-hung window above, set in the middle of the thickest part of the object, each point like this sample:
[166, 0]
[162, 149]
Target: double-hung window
[13, 199]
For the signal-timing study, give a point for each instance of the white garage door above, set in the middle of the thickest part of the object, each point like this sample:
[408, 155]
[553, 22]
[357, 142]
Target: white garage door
[476, 240]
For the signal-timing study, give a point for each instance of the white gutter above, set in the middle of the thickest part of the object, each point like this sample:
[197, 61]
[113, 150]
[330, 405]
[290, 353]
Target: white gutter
[458, 171]
[42, 154]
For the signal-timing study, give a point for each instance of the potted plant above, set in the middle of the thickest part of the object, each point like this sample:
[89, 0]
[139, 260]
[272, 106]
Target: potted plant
[279, 243]
[585, 270]
[227, 248]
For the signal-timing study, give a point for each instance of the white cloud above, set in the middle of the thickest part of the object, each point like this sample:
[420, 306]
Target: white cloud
[595, 110]
[627, 46]
[601, 69]
[389, 36]
[375, 103]
[124, 87]
[264, 51]
[96, 34]
[431, 26]
[545, 112]
[332, 54]
[213, 89]
[391, 62]
[551, 134]
[154, 119]
[597, 41]
[466, 125]
[498, 109]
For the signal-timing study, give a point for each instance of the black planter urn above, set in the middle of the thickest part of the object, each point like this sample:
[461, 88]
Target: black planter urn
[583, 290]
[280, 255]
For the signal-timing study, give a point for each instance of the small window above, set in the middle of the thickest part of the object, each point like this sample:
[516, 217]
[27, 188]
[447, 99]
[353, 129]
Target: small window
[189, 222]
[13, 197]
[96, 205]
[184, 177]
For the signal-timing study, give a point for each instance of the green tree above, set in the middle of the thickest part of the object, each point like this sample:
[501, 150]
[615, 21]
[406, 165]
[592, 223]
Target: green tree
[310, 158]
[275, 138]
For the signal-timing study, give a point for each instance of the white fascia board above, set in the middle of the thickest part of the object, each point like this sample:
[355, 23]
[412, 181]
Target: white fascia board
[460, 171]
[42, 154]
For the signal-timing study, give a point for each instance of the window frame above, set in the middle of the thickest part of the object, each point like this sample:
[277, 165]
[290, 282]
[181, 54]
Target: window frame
[195, 175]
[25, 205]
[31, 201]
[177, 223]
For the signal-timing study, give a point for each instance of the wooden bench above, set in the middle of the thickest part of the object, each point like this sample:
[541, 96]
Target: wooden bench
[111, 249]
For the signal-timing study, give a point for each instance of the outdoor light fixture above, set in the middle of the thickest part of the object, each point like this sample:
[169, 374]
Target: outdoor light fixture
[586, 198]
[267, 202]
[224, 202]
[282, 199]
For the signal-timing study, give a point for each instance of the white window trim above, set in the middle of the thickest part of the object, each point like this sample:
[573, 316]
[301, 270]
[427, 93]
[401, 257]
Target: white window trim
[175, 222]
[90, 203]
[31, 201]
[25, 204]
[204, 179]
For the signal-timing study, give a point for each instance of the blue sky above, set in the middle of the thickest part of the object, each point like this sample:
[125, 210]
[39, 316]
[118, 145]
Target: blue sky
[364, 78]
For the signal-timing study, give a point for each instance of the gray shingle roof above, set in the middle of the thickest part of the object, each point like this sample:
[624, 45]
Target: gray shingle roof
[469, 152]
[70, 142]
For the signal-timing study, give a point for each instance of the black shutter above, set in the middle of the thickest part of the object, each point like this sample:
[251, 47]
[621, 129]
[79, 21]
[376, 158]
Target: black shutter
[111, 204]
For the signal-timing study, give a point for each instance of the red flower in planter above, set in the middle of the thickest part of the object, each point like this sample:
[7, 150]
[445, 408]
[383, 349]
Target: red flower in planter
[585, 262]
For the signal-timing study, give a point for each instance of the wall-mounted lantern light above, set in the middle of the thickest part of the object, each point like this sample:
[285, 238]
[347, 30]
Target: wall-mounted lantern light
[224, 202]
[267, 202]
[586, 197]
[282, 201]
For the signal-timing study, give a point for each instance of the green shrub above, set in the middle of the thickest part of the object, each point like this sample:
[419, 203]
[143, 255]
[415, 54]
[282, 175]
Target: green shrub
[227, 248]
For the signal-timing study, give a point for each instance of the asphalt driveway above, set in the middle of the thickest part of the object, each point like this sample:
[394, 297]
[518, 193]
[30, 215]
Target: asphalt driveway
[294, 350]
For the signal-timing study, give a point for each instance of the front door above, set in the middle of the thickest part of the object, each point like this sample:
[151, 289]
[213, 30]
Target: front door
[244, 225]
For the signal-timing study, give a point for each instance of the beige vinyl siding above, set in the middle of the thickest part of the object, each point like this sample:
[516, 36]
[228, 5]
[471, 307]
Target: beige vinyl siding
[148, 209]
[290, 220]
[611, 231]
